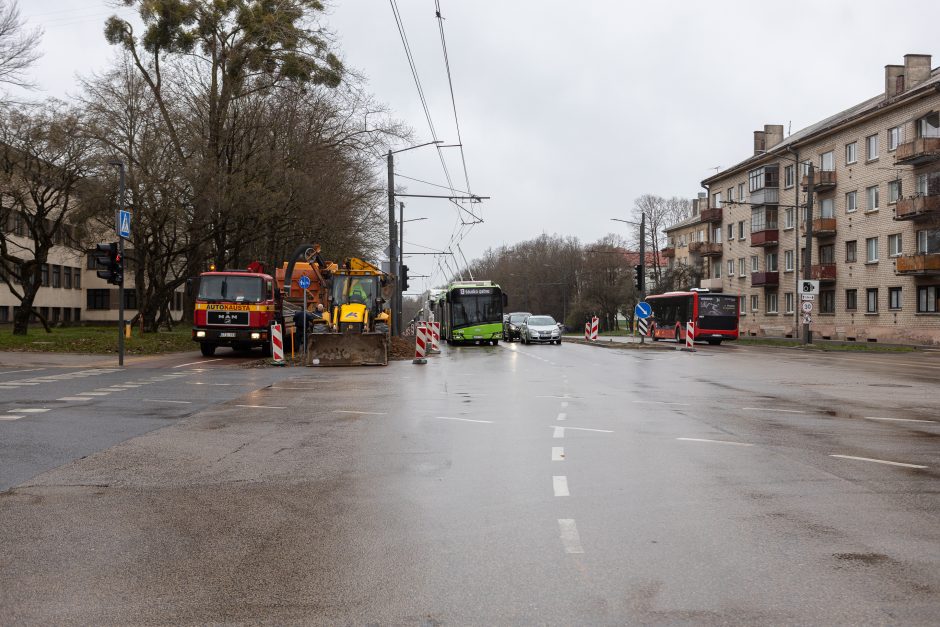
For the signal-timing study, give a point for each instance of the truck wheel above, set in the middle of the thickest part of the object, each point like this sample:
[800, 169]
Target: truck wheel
[714, 342]
[207, 349]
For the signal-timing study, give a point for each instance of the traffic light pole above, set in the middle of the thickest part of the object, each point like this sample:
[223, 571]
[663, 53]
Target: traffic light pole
[121, 257]
[643, 263]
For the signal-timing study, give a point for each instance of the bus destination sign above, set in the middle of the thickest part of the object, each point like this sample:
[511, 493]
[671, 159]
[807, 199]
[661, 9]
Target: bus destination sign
[475, 291]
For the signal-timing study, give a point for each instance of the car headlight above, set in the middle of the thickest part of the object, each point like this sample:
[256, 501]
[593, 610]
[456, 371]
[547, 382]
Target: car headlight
[256, 336]
[200, 334]
[513, 327]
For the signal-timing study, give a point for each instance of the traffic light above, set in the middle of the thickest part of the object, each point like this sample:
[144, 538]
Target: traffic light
[638, 277]
[110, 263]
[404, 278]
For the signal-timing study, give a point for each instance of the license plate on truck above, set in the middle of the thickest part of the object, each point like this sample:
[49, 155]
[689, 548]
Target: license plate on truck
[226, 334]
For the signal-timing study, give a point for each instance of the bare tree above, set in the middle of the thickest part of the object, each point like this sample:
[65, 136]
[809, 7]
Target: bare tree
[18, 46]
[660, 213]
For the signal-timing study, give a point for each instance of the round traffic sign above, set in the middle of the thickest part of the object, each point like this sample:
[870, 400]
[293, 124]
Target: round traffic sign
[807, 306]
[643, 310]
[304, 281]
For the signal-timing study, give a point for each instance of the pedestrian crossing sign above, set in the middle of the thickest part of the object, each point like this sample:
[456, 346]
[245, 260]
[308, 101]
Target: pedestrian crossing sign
[124, 224]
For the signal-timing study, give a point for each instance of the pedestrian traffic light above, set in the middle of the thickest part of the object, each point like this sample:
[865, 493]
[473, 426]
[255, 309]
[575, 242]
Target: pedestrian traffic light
[110, 263]
[404, 278]
[638, 277]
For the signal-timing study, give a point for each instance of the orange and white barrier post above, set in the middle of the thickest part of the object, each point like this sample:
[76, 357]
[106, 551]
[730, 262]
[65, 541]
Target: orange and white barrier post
[421, 345]
[435, 329]
[689, 336]
[277, 344]
[587, 331]
[594, 328]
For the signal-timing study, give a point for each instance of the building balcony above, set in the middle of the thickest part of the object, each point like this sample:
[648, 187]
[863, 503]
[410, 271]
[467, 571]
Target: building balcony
[927, 264]
[668, 253]
[823, 180]
[918, 152]
[822, 227]
[712, 285]
[706, 249]
[766, 237]
[824, 272]
[765, 279]
[765, 196]
[712, 214]
[917, 207]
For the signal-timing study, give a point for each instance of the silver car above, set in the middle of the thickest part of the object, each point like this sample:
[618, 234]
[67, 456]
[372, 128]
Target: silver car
[540, 329]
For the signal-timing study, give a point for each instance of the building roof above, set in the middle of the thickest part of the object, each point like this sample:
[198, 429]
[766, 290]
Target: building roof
[695, 219]
[826, 125]
[633, 257]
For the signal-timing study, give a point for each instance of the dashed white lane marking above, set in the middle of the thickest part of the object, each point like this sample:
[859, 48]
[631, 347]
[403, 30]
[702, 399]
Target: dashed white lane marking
[193, 363]
[562, 416]
[558, 453]
[261, 406]
[933, 422]
[94, 393]
[74, 398]
[662, 403]
[19, 383]
[19, 371]
[583, 429]
[162, 400]
[367, 413]
[880, 461]
[126, 385]
[564, 404]
[8, 417]
[204, 383]
[785, 411]
[715, 441]
[560, 484]
[30, 410]
[489, 422]
[559, 432]
[569, 535]
[554, 396]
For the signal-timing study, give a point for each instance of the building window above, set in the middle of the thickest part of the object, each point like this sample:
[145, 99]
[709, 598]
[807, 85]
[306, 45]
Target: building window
[788, 218]
[894, 245]
[851, 300]
[871, 300]
[755, 302]
[894, 138]
[67, 277]
[99, 299]
[871, 195]
[742, 269]
[929, 125]
[894, 191]
[56, 276]
[130, 299]
[77, 279]
[788, 176]
[788, 302]
[827, 254]
[826, 208]
[894, 298]
[76, 314]
[788, 261]
[755, 263]
[771, 300]
[731, 231]
[928, 297]
[827, 301]
[716, 200]
[56, 314]
[4, 314]
[851, 153]
[90, 263]
[731, 267]
[871, 250]
[827, 161]
[731, 194]
[67, 314]
[928, 241]
[871, 146]
[851, 202]
[741, 192]
[770, 262]
[741, 233]
[851, 256]
[44, 275]
[716, 235]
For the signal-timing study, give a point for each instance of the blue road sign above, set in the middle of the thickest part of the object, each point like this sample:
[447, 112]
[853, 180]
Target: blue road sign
[303, 282]
[643, 310]
[124, 224]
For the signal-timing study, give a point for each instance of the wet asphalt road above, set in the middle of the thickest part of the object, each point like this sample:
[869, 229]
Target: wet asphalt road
[506, 485]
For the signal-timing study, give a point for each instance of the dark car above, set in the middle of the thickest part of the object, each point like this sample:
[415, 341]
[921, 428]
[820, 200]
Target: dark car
[512, 323]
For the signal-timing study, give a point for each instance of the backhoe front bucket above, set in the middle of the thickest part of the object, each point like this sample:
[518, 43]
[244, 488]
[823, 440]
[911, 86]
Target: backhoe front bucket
[347, 349]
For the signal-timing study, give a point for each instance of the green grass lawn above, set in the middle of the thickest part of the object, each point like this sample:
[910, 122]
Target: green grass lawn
[98, 340]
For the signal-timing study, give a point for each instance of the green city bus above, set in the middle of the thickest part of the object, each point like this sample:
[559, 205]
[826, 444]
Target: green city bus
[472, 313]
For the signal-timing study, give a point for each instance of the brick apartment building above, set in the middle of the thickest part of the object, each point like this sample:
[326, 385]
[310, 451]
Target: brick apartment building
[876, 219]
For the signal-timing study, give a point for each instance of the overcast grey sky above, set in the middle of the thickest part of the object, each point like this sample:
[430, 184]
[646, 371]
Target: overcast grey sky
[570, 110]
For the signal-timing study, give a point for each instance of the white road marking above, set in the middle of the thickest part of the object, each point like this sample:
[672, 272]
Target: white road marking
[786, 411]
[368, 413]
[933, 422]
[193, 363]
[489, 422]
[584, 429]
[19, 371]
[204, 383]
[8, 387]
[162, 400]
[94, 393]
[880, 461]
[662, 403]
[31, 410]
[558, 453]
[261, 406]
[560, 484]
[8, 417]
[19, 383]
[714, 441]
[126, 385]
[74, 398]
[562, 416]
[564, 403]
[559, 432]
[569, 535]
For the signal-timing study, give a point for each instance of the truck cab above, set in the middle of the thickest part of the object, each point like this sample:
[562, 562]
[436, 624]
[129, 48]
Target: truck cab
[235, 308]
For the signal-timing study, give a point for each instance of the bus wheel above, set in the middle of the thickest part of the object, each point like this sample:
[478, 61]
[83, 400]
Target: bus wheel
[714, 342]
[495, 342]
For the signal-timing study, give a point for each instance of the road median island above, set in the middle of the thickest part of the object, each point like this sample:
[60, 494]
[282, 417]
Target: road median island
[622, 343]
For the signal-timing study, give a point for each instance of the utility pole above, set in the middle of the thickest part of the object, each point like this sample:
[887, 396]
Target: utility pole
[808, 261]
[400, 292]
[643, 260]
[394, 259]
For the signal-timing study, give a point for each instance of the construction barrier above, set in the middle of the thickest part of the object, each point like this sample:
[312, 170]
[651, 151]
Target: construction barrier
[435, 329]
[690, 335]
[594, 328]
[587, 331]
[277, 345]
[421, 344]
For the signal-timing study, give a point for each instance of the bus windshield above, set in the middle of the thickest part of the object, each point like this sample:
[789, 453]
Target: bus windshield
[242, 289]
[476, 306]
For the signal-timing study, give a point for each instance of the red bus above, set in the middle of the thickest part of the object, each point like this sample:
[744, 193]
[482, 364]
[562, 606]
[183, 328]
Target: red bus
[715, 316]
